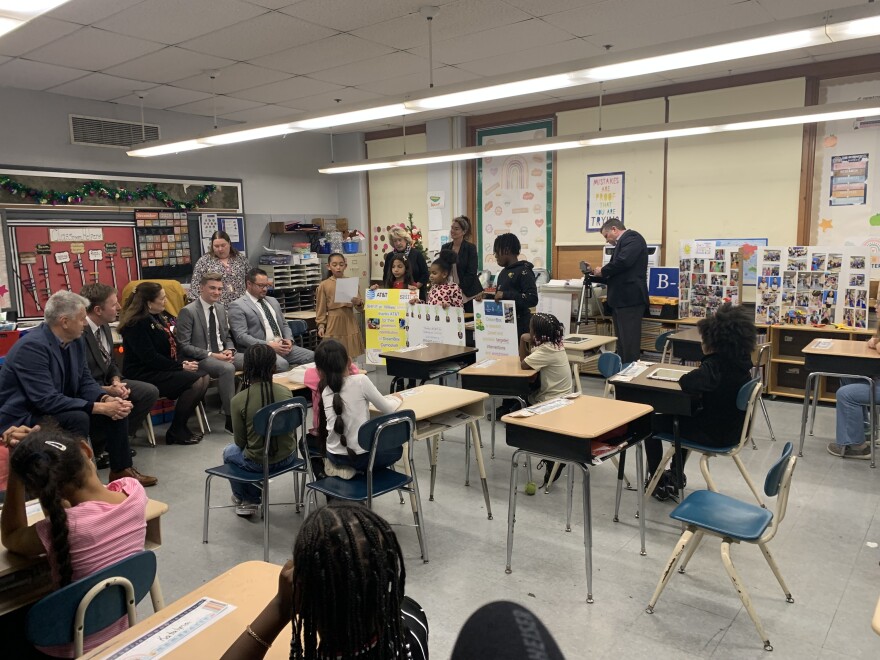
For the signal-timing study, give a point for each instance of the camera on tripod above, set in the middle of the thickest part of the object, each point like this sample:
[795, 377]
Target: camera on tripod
[586, 269]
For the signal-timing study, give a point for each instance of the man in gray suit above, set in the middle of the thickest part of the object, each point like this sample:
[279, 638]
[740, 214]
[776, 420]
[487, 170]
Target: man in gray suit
[255, 318]
[203, 334]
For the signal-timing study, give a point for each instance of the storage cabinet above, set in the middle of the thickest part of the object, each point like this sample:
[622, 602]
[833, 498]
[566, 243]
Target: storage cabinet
[294, 285]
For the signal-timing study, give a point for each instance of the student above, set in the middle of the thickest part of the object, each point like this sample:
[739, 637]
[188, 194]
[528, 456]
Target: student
[345, 587]
[346, 400]
[88, 526]
[728, 342]
[246, 450]
[336, 320]
[399, 274]
[441, 290]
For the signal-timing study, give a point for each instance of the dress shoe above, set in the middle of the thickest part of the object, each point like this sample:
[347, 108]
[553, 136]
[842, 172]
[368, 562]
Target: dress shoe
[102, 460]
[228, 426]
[132, 452]
[193, 439]
[131, 472]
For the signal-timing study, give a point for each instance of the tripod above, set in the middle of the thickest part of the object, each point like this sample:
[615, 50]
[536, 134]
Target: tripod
[583, 313]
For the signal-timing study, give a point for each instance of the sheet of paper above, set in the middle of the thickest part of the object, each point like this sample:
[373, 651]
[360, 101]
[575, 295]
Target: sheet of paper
[230, 226]
[823, 344]
[346, 289]
[483, 364]
[633, 370]
[435, 219]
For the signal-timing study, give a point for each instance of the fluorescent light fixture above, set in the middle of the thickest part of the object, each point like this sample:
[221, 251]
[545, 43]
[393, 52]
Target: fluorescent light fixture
[250, 134]
[751, 121]
[493, 92]
[353, 117]
[171, 148]
[9, 24]
[27, 9]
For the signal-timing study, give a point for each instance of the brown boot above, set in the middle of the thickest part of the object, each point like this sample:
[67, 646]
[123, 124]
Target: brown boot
[131, 472]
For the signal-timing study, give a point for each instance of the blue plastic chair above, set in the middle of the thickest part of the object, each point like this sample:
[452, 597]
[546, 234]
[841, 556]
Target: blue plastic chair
[733, 521]
[663, 346]
[89, 605]
[746, 400]
[609, 365]
[279, 418]
[299, 328]
[382, 433]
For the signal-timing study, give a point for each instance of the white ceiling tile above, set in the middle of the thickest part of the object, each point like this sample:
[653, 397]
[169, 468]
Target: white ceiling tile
[98, 86]
[377, 68]
[347, 15]
[33, 34]
[232, 79]
[453, 20]
[781, 9]
[258, 37]
[164, 96]
[286, 90]
[524, 59]
[326, 102]
[418, 82]
[546, 7]
[3, 59]
[86, 12]
[168, 65]
[325, 54]
[25, 74]
[93, 50]
[221, 105]
[262, 114]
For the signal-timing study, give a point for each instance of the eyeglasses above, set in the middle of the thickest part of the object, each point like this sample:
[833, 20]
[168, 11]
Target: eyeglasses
[262, 286]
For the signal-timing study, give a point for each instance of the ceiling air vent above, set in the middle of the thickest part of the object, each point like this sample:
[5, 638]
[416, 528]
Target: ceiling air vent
[99, 132]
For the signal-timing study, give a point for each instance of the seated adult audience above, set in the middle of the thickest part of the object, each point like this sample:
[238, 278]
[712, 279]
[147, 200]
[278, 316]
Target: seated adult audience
[343, 592]
[256, 318]
[46, 375]
[151, 353]
[203, 334]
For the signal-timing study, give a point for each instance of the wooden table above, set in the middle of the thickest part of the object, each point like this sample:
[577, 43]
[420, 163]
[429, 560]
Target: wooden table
[499, 376]
[844, 358]
[248, 586]
[425, 363]
[565, 435]
[579, 347]
[34, 579]
[687, 345]
[295, 386]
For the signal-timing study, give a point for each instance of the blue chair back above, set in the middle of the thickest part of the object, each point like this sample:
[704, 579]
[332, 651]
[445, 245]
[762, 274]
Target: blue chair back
[745, 393]
[776, 473]
[609, 364]
[390, 431]
[660, 342]
[286, 417]
[50, 621]
[298, 326]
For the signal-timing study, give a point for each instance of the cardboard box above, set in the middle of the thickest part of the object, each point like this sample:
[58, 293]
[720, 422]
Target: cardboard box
[331, 224]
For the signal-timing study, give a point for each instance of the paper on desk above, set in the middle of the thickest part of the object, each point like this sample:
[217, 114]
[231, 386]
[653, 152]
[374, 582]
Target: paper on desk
[823, 343]
[565, 282]
[634, 369]
[346, 289]
[410, 348]
[482, 364]
[548, 406]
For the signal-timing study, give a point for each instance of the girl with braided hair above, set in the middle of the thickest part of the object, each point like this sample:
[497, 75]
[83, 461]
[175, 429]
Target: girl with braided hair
[343, 592]
[246, 450]
[88, 525]
[346, 400]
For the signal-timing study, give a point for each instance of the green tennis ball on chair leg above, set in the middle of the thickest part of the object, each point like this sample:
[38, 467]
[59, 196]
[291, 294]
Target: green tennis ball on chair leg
[531, 488]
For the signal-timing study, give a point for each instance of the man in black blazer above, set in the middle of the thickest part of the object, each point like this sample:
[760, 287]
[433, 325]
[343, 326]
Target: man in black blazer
[627, 278]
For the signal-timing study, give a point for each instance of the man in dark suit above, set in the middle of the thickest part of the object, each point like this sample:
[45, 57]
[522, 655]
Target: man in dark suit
[256, 318]
[46, 375]
[627, 278]
[103, 309]
[203, 334]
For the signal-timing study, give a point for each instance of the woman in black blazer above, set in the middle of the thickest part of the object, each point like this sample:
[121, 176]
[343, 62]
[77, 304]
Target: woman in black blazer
[465, 270]
[402, 243]
[151, 354]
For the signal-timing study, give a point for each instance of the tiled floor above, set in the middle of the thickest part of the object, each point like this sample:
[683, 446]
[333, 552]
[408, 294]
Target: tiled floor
[826, 549]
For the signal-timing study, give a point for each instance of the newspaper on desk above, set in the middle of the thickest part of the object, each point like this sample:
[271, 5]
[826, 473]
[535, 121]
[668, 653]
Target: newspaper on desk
[632, 370]
[545, 407]
[823, 344]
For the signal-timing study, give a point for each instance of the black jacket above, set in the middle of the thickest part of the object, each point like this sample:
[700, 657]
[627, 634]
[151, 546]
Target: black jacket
[517, 283]
[719, 380]
[467, 268]
[627, 273]
[417, 265]
[147, 350]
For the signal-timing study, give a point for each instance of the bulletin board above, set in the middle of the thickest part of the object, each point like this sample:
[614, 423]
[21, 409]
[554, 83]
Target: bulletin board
[56, 256]
[231, 224]
[164, 244]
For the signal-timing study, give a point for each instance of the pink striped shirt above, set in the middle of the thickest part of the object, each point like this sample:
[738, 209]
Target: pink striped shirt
[100, 534]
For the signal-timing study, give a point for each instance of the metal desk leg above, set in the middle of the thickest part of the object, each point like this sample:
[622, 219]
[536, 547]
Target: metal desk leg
[766, 417]
[621, 463]
[640, 475]
[813, 409]
[156, 594]
[576, 374]
[678, 465]
[511, 509]
[808, 388]
[872, 419]
[467, 455]
[435, 448]
[415, 501]
[482, 467]
[588, 532]
[569, 496]
[494, 400]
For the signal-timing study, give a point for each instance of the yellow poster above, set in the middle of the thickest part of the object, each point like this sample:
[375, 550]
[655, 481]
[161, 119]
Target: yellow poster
[385, 321]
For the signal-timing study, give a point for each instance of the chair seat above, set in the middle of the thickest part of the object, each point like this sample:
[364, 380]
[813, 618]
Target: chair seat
[695, 446]
[385, 480]
[723, 515]
[235, 473]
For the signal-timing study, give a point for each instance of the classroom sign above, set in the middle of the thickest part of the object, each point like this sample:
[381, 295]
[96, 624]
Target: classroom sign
[385, 312]
[431, 324]
[495, 328]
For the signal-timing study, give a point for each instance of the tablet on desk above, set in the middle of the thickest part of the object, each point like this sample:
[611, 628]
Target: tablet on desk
[574, 339]
[667, 374]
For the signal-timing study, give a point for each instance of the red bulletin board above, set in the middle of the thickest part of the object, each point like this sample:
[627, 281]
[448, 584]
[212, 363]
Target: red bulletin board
[33, 243]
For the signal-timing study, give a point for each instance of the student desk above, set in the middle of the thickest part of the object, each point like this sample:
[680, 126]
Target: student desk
[844, 358]
[425, 363]
[565, 435]
[296, 387]
[687, 345]
[437, 409]
[248, 586]
[26, 580]
[499, 377]
[579, 347]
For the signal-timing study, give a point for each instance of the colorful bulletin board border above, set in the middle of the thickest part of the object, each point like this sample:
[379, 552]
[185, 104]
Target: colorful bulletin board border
[515, 194]
[605, 198]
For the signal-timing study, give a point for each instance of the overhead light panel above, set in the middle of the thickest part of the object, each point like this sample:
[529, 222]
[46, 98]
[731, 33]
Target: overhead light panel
[22, 11]
[250, 134]
[353, 117]
[171, 148]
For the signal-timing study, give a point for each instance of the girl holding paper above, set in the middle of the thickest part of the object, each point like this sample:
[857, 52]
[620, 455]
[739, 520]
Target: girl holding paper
[336, 319]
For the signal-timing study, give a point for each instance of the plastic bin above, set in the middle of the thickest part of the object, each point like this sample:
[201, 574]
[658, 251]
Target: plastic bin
[350, 247]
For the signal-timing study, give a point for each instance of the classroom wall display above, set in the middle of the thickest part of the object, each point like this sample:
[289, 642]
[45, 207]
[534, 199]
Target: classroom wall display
[163, 244]
[50, 257]
[515, 194]
[386, 321]
[605, 198]
[802, 285]
[708, 276]
[431, 324]
[748, 251]
[495, 328]
[231, 224]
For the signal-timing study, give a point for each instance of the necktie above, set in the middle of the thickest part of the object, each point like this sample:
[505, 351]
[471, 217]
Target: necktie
[104, 353]
[271, 318]
[212, 329]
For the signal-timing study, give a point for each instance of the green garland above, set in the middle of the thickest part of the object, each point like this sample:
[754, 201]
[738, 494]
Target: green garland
[102, 190]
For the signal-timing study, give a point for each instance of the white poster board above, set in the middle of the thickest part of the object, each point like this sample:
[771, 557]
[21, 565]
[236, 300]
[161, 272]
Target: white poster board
[558, 304]
[495, 328]
[431, 324]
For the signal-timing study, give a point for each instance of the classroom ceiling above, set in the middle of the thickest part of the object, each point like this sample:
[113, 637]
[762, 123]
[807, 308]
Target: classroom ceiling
[278, 58]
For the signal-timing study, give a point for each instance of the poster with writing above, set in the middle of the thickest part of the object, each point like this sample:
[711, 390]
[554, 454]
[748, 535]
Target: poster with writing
[495, 328]
[385, 313]
[604, 198]
[431, 324]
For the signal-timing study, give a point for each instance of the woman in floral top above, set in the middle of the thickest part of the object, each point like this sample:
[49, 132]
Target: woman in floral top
[224, 259]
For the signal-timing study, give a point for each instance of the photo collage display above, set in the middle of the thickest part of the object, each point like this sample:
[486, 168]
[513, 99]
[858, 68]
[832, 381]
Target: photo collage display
[708, 276]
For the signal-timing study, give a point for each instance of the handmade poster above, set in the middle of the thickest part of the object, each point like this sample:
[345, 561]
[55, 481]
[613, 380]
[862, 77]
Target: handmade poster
[707, 279]
[748, 249]
[385, 314]
[431, 324]
[495, 328]
[605, 197]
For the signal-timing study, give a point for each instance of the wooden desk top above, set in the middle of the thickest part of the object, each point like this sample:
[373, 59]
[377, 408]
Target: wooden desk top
[688, 335]
[248, 586]
[843, 348]
[824, 328]
[642, 380]
[587, 417]
[283, 379]
[592, 342]
[430, 400]
[505, 365]
[432, 353]
[304, 316]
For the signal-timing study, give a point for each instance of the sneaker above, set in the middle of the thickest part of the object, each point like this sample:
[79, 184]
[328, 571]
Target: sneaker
[246, 509]
[862, 451]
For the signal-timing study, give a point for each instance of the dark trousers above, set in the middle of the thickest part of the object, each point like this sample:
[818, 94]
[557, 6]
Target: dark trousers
[143, 397]
[362, 461]
[628, 329]
[114, 433]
